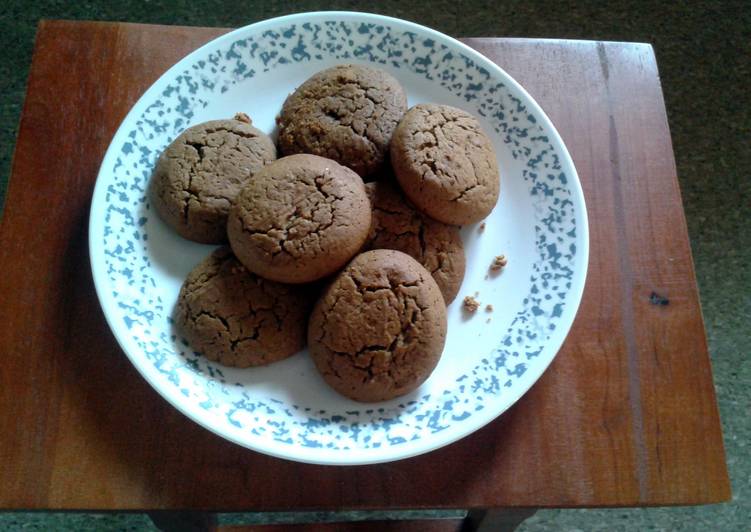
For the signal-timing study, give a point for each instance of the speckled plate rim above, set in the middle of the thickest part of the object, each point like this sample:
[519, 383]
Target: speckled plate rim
[329, 456]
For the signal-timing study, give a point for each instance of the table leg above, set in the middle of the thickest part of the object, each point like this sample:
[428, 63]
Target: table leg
[496, 520]
[184, 521]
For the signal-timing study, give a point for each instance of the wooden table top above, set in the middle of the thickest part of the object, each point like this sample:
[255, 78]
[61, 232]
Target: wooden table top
[626, 414]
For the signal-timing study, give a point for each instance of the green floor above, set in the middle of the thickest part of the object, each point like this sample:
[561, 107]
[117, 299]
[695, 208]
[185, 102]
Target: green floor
[703, 53]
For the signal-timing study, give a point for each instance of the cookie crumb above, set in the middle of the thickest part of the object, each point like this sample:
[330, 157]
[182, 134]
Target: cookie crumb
[242, 117]
[657, 299]
[482, 227]
[488, 308]
[471, 304]
[498, 263]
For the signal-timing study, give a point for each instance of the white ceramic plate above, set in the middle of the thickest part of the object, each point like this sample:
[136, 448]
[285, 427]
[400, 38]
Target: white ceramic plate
[286, 409]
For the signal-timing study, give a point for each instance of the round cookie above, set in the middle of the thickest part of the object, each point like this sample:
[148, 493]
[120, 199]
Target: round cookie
[299, 219]
[378, 330]
[436, 246]
[238, 319]
[198, 176]
[445, 164]
[346, 113]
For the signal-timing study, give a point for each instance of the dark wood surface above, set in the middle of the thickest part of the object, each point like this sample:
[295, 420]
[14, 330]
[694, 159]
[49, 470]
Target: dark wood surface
[208, 523]
[447, 525]
[626, 415]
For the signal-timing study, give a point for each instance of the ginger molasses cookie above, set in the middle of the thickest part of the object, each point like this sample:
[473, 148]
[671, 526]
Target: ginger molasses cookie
[399, 226]
[299, 219]
[238, 319]
[198, 176]
[378, 330]
[445, 164]
[346, 113]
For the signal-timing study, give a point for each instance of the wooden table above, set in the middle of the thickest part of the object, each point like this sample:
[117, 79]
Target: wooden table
[625, 416]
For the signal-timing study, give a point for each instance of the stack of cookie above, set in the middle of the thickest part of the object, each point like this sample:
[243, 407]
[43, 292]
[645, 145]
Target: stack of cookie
[362, 272]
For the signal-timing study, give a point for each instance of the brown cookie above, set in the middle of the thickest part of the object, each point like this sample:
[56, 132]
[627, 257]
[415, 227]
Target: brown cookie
[301, 218]
[346, 113]
[378, 330]
[435, 245]
[198, 176]
[238, 319]
[445, 164]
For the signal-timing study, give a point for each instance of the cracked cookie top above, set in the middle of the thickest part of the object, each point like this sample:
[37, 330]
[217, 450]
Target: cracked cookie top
[445, 164]
[378, 330]
[238, 319]
[199, 174]
[399, 226]
[299, 219]
[346, 113]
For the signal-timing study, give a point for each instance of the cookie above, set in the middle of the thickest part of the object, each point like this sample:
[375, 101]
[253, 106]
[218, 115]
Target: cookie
[299, 219]
[397, 225]
[346, 113]
[378, 330]
[238, 319]
[198, 176]
[445, 164]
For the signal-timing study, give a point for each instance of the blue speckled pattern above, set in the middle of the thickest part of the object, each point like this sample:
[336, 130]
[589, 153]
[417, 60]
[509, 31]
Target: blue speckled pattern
[136, 311]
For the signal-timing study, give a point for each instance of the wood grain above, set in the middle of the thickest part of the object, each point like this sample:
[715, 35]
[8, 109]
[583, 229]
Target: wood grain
[626, 415]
